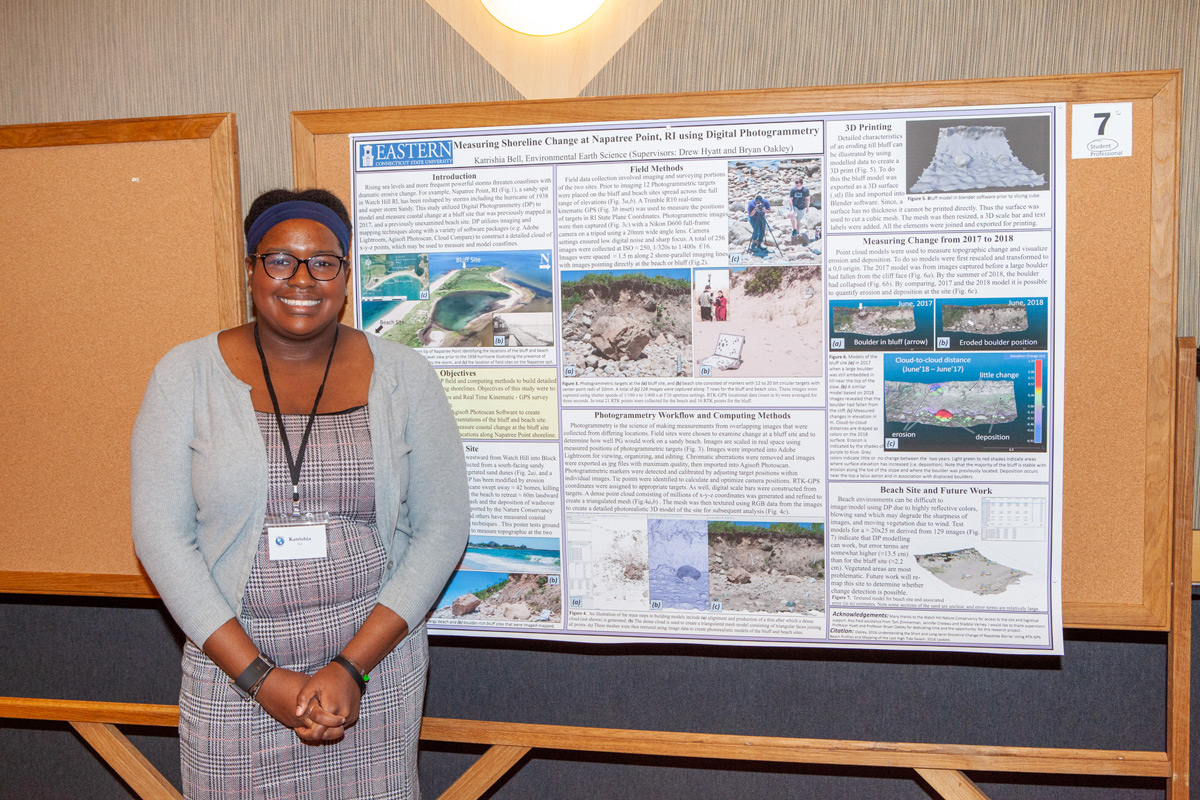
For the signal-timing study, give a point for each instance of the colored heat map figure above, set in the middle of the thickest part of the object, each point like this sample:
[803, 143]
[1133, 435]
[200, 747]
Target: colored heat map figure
[953, 404]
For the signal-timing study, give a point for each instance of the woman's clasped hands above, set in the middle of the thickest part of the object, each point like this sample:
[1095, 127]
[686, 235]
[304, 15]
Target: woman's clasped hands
[318, 708]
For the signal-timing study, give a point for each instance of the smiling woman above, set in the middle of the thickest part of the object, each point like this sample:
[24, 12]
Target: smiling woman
[299, 499]
[299, 286]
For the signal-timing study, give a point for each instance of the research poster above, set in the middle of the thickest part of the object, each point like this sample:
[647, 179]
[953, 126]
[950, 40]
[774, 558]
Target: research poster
[791, 380]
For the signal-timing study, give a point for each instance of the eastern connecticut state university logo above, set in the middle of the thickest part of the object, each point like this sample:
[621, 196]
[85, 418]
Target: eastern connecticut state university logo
[374, 155]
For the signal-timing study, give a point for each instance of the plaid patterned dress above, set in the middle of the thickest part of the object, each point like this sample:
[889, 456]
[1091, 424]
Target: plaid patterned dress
[301, 613]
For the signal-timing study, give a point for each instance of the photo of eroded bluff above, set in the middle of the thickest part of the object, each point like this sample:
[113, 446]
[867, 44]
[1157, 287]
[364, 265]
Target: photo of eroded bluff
[1006, 318]
[874, 320]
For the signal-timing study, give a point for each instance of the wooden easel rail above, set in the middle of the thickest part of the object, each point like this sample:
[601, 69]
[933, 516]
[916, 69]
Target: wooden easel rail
[839, 752]
[510, 742]
[842, 752]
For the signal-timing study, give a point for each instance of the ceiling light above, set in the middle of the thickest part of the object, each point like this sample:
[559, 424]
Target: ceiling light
[542, 17]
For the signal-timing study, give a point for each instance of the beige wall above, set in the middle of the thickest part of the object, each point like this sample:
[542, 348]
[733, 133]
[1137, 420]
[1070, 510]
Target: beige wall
[96, 59]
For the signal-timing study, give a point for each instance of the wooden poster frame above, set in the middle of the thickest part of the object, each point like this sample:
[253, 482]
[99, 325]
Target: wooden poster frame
[1139, 600]
[220, 132]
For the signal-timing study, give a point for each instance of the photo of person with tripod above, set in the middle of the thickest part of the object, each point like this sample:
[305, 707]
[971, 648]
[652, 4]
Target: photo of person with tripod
[756, 212]
[774, 211]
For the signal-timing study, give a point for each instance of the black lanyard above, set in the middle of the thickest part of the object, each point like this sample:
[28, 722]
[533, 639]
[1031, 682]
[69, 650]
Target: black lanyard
[294, 464]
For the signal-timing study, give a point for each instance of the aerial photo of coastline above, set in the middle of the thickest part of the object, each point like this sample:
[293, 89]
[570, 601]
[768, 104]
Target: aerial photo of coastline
[465, 291]
[393, 276]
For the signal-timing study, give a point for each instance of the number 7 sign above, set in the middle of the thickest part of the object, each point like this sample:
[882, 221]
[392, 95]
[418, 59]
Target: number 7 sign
[1101, 130]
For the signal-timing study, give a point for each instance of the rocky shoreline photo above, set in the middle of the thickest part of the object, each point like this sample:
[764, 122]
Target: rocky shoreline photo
[773, 180]
[627, 323]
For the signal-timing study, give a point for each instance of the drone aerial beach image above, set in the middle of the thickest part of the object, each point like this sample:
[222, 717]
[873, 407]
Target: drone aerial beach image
[463, 293]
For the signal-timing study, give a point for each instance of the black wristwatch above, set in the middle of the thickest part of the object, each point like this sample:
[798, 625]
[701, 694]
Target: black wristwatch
[248, 683]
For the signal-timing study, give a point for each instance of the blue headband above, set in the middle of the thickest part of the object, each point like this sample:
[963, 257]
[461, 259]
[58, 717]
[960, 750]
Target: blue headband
[297, 209]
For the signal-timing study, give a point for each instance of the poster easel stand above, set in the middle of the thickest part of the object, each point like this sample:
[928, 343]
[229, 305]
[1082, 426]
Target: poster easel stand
[940, 766]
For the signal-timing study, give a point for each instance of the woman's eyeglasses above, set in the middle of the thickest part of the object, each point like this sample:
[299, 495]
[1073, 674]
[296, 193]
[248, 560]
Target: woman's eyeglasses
[282, 266]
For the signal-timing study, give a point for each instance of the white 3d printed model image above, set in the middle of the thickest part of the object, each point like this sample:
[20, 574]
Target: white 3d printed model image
[974, 157]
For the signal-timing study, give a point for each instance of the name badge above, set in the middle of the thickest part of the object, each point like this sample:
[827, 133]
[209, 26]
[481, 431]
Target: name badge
[292, 538]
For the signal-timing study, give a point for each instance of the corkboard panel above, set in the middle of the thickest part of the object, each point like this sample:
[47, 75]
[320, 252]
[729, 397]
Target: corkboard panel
[1121, 234]
[128, 235]
[1105, 480]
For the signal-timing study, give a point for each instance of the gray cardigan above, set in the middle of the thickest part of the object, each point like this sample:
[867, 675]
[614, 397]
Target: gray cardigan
[199, 483]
